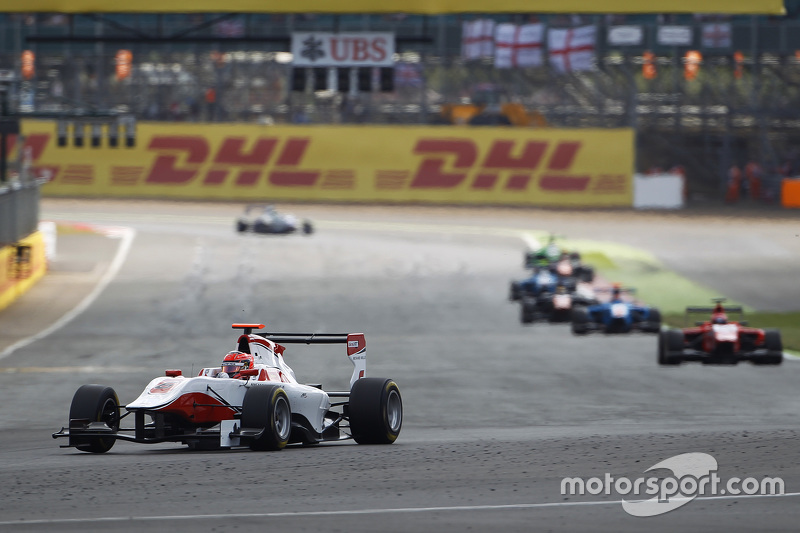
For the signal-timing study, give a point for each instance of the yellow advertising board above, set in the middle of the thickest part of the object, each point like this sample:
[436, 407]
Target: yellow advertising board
[440, 164]
[18, 274]
[430, 7]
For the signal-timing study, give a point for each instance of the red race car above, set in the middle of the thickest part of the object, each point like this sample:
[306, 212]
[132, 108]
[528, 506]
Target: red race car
[719, 340]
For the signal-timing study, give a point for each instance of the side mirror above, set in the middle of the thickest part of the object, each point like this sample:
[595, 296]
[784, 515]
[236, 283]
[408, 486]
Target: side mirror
[249, 372]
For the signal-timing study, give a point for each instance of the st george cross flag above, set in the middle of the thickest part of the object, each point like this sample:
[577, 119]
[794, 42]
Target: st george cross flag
[717, 35]
[477, 39]
[572, 49]
[518, 46]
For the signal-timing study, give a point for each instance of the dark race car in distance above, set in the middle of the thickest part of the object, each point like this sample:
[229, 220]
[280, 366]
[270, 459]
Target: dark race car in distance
[719, 340]
[267, 219]
[555, 305]
[554, 257]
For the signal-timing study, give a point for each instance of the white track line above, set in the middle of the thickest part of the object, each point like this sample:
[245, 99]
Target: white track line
[126, 236]
[355, 512]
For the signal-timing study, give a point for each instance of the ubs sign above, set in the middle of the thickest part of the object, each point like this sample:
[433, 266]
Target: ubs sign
[361, 49]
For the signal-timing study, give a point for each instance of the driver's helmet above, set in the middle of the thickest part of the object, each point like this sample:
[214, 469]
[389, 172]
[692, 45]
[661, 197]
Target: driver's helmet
[616, 292]
[234, 362]
[719, 318]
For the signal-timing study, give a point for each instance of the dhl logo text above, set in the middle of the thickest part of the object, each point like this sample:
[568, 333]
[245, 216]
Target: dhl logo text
[180, 160]
[507, 164]
[432, 164]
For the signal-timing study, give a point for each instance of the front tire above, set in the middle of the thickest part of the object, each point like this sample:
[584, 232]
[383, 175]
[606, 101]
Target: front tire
[267, 407]
[375, 410]
[96, 403]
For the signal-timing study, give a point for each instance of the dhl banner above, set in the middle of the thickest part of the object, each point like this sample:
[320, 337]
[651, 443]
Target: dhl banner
[441, 164]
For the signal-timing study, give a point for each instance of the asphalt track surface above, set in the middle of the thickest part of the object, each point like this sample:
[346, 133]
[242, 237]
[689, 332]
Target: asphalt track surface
[496, 414]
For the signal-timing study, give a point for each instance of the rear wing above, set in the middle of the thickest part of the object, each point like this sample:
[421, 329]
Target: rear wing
[626, 290]
[709, 310]
[356, 344]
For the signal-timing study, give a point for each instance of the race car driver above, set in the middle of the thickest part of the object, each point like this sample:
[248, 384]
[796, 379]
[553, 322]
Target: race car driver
[233, 363]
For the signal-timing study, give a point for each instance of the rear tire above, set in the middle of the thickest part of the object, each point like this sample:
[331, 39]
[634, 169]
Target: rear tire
[527, 311]
[653, 320]
[96, 403]
[588, 274]
[375, 411]
[267, 407]
[670, 350]
[580, 321]
[774, 346]
[308, 229]
[515, 291]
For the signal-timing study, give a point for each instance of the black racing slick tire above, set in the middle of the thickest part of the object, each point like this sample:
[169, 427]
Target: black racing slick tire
[375, 411]
[670, 347]
[527, 311]
[96, 403]
[580, 321]
[588, 274]
[267, 407]
[308, 228]
[654, 320]
[774, 346]
[514, 291]
[241, 226]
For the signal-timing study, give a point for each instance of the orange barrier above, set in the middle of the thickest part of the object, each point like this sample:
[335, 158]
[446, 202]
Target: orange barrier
[443, 164]
[21, 266]
[790, 192]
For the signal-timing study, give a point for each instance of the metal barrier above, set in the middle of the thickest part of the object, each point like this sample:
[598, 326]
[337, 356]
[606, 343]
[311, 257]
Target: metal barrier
[19, 211]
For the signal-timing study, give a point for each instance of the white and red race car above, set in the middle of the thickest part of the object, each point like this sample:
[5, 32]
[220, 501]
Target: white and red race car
[260, 404]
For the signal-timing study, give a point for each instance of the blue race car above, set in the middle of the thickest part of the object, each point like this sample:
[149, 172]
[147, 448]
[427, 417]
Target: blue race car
[616, 316]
